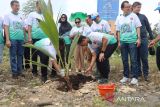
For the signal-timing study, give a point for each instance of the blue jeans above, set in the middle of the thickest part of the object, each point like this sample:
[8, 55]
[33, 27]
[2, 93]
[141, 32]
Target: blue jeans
[1, 52]
[16, 56]
[143, 57]
[131, 50]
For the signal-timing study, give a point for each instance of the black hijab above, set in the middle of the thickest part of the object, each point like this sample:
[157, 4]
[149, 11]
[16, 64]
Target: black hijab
[65, 26]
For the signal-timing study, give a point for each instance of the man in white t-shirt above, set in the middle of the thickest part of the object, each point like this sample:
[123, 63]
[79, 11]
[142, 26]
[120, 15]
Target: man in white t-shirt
[128, 31]
[100, 24]
[14, 31]
[102, 47]
[35, 33]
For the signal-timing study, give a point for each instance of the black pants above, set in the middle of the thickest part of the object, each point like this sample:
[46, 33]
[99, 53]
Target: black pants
[67, 47]
[158, 57]
[44, 59]
[104, 67]
[26, 58]
[64, 50]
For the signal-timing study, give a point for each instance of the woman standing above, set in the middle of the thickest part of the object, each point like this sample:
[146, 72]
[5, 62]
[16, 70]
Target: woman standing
[64, 41]
[78, 30]
[64, 31]
[128, 31]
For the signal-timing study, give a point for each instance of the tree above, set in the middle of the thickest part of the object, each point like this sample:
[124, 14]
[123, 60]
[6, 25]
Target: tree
[28, 7]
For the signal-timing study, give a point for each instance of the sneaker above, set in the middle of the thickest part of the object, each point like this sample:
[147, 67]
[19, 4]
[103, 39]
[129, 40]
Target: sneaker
[134, 81]
[44, 79]
[146, 79]
[14, 76]
[70, 70]
[124, 80]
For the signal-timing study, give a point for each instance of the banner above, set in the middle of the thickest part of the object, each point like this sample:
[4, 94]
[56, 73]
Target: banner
[108, 9]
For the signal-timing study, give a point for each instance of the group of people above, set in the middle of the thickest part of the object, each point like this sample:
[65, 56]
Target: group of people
[95, 40]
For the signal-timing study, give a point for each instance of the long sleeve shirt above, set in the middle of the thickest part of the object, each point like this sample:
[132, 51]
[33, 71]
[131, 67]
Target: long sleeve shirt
[145, 26]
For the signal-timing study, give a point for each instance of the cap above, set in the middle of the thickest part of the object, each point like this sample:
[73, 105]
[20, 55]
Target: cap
[158, 8]
[94, 15]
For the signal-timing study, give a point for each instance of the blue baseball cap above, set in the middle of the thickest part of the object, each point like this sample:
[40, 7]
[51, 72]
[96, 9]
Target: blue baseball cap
[94, 16]
[158, 8]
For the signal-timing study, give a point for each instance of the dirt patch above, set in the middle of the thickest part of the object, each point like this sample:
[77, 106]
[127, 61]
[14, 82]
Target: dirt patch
[77, 81]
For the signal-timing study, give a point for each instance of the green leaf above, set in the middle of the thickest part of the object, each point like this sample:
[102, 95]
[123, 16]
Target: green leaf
[50, 7]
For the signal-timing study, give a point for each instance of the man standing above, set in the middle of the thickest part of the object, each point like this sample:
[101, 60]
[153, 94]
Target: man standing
[128, 33]
[100, 24]
[35, 34]
[143, 49]
[14, 30]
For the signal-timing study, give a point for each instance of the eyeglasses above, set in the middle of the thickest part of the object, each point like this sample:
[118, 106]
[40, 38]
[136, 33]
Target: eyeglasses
[77, 22]
[127, 7]
[63, 17]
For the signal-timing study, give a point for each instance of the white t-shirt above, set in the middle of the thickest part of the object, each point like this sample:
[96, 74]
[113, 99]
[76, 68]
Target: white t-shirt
[80, 31]
[96, 39]
[76, 31]
[16, 25]
[86, 31]
[33, 20]
[103, 27]
[127, 25]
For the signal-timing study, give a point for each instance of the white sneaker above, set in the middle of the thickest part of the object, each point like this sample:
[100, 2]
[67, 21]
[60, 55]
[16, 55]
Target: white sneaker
[124, 80]
[134, 81]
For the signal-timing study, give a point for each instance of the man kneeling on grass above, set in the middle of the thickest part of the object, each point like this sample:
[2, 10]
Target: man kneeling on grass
[102, 47]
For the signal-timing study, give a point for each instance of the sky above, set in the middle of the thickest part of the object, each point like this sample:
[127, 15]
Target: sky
[88, 6]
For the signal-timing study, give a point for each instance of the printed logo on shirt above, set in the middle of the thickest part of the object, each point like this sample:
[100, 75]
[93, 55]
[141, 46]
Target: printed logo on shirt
[17, 25]
[126, 28]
